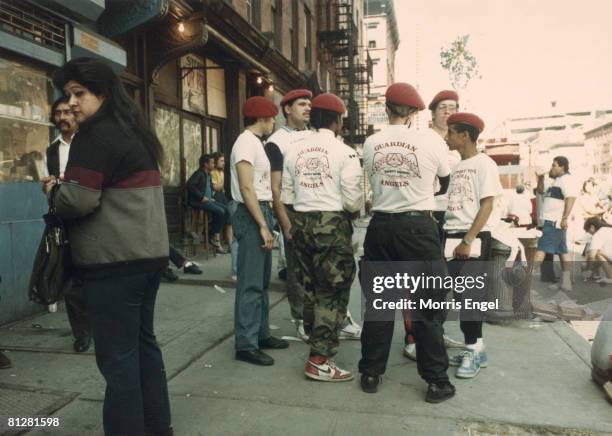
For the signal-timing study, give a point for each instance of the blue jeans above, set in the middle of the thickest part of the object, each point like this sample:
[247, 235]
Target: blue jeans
[220, 211]
[121, 313]
[553, 240]
[232, 205]
[251, 320]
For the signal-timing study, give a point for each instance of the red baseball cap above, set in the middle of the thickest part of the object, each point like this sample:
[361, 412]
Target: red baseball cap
[466, 118]
[330, 102]
[294, 94]
[447, 94]
[259, 107]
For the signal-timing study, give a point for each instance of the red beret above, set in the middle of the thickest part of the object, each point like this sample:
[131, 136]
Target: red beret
[404, 94]
[294, 95]
[259, 107]
[329, 102]
[443, 95]
[466, 118]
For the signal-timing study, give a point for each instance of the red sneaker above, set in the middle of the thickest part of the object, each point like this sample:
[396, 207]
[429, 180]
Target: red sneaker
[323, 369]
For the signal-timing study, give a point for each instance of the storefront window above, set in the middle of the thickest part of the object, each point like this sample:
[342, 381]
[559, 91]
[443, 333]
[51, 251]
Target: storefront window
[192, 145]
[25, 131]
[167, 129]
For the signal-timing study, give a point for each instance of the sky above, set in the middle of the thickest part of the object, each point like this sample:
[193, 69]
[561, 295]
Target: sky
[530, 52]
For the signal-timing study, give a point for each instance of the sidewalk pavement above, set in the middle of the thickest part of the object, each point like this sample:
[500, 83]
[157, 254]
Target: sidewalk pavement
[537, 381]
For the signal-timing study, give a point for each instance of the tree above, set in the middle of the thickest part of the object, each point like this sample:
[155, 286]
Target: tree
[459, 62]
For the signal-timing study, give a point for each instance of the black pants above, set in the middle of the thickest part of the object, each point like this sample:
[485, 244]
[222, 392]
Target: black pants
[127, 354]
[176, 257]
[471, 321]
[547, 269]
[401, 237]
[76, 309]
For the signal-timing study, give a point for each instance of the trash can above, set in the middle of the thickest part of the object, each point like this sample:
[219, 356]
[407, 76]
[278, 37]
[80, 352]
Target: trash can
[514, 302]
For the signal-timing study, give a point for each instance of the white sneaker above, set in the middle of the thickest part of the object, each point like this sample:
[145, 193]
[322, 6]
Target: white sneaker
[351, 331]
[300, 332]
[410, 351]
[452, 343]
[326, 371]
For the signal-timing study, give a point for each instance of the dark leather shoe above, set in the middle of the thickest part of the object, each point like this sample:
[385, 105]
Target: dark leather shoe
[438, 392]
[273, 343]
[369, 383]
[5, 362]
[192, 269]
[256, 357]
[82, 344]
[168, 276]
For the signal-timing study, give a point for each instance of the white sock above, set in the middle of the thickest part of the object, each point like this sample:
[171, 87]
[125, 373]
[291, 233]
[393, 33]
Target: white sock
[566, 280]
[471, 347]
[479, 346]
[187, 264]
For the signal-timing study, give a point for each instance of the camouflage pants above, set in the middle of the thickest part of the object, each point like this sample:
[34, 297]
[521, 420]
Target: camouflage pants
[326, 269]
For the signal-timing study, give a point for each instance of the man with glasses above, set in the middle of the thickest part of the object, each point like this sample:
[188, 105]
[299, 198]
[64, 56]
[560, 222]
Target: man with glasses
[444, 104]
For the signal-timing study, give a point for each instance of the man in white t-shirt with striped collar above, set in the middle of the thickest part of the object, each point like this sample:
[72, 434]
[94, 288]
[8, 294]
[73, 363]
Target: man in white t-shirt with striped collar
[252, 224]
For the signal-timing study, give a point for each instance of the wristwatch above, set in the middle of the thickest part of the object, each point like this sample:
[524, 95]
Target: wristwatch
[465, 242]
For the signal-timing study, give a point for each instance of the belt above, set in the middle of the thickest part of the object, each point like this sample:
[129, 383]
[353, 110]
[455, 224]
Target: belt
[266, 203]
[427, 213]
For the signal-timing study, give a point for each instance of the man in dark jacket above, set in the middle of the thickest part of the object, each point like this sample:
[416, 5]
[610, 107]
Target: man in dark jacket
[199, 189]
[57, 158]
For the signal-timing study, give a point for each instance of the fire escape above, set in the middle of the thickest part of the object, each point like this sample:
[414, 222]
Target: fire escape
[352, 77]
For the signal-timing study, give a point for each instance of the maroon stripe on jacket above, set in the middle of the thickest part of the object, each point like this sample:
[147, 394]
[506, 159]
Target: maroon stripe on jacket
[84, 177]
[140, 179]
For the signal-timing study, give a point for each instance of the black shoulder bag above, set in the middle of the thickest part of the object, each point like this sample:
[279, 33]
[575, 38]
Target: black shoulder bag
[51, 270]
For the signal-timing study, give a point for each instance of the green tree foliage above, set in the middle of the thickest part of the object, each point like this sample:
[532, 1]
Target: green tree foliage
[459, 62]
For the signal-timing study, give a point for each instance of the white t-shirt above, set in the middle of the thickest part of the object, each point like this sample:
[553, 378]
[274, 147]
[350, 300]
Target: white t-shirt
[249, 148]
[321, 173]
[285, 136]
[472, 180]
[442, 200]
[602, 240]
[63, 152]
[555, 195]
[520, 206]
[402, 165]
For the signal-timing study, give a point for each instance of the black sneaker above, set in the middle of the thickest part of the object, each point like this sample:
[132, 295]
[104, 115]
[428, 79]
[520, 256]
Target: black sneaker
[273, 343]
[369, 383]
[5, 362]
[192, 269]
[256, 357]
[168, 276]
[438, 392]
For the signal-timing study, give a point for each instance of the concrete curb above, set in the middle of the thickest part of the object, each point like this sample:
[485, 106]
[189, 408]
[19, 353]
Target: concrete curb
[577, 343]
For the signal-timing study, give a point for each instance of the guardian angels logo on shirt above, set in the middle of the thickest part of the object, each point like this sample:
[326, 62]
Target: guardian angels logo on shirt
[312, 166]
[397, 167]
[264, 181]
[460, 189]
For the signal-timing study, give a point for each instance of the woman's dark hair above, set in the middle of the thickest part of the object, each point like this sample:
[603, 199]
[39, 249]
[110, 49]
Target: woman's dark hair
[562, 162]
[595, 222]
[472, 131]
[322, 118]
[56, 103]
[216, 156]
[98, 77]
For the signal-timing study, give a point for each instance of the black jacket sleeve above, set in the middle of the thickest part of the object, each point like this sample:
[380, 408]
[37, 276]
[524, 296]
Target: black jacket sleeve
[194, 185]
